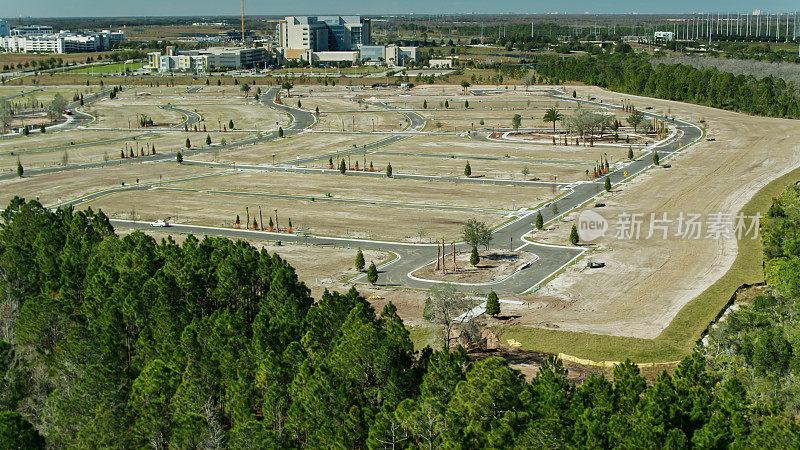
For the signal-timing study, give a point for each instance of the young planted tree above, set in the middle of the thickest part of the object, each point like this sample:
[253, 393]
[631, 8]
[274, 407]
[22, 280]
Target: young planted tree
[552, 115]
[539, 221]
[525, 171]
[466, 104]
[188, 143]
[474, 257]
[573, 236]
[425, 104]
[299, 103]
[516, 121]
[280, 132]
[360, 261]
[179, 158]
[465, 85]
[20, 169]
[389, 170]
[230, 124]
[446, 104]
[288, 85]
[607, 184]
[630, 153]
[342, 167]
[255, 223]
[316, 111]
[245, 88]
[467, 169]
[635, 119]
[208, 139]
[492, 304]
[372, 273]
[655, 158]
[476, 233]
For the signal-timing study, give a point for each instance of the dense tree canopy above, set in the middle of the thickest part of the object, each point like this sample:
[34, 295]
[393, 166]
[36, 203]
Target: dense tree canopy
[112, 341]
[634, 74]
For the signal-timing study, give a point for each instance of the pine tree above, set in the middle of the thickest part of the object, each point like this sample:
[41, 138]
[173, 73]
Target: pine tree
[474, 258]
[539, 221]
[389, 170]
[607, 184]
[280, 132]
[179, 158]
[573, 236]
[360, 261]
[230, 124]
[467, 169]
[255, 224]
[20, 169]
[655, 158]
[630, 153]
[316, 111]
[188, 143]
[466, 104]
[372, 273]
[492, 304]
[208, 139]
[424, 104]
[330, 162]
[446, 104]
[342, 167]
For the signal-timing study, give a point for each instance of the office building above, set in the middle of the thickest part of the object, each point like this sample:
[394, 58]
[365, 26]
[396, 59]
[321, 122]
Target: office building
[61, 42]
[323, 33]
[392, 55]
[4, 30]
[26, 30]
[205, 59]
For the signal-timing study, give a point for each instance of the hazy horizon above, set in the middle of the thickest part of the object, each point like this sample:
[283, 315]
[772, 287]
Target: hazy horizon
[194, 8]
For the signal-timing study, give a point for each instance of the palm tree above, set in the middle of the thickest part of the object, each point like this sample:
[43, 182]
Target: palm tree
[288, 85]
[552, 115]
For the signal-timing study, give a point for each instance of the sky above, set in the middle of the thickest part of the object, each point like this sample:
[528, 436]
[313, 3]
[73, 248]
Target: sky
[112, 8]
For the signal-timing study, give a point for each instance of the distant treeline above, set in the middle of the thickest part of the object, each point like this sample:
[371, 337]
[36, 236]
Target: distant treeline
[634, 74]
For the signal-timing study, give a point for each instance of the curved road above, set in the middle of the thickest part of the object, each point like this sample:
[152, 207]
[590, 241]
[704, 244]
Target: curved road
[409, 257]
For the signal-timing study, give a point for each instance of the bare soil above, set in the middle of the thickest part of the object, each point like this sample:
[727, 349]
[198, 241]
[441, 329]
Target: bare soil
[494, 265]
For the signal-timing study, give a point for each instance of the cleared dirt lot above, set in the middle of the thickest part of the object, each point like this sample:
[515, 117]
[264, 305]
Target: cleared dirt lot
[378, 190]
[291, 148]
[647, 281]
[323, 218]
[164, 142]
[56, 187]
[462, 146]
[367, 121]
[118, 114]
[244, 116]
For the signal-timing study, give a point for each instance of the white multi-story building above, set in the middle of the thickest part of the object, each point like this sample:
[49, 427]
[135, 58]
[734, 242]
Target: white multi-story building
[63, 42]
[392, 55]
[26, 30]
[323, 33]
[665, 36]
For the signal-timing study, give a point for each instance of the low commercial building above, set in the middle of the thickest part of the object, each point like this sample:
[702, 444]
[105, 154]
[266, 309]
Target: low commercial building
[392, 55]
[664, 36]
[205, 59]
[444, 62]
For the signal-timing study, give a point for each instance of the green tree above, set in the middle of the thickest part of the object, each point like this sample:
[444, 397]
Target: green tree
[280, 132]
[360, 261]
[245, 88]
[655, 158]
[150, 396]
[474, 257]
[316, 111]
[230, 124]
[208, 139]
[607, 184]
[492, 304]
[188, 143]
[553, 115]
[516, 121]
[539, 220]
[476, 233]
[630, 153]
[342, 167]
[573, 236]
[634, 119]
[425, 104]
[372, 273]
[287, 85]
[18, 433]
[179, 158]
[467, 170]
[465, 85]
[389, 170]
[20, 169]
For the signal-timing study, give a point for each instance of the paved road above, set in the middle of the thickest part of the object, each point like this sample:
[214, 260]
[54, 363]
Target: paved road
[409, 257]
